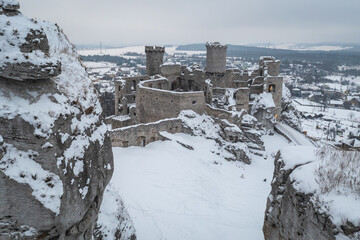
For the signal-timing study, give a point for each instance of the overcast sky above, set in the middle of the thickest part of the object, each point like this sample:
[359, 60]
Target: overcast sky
[133, 22]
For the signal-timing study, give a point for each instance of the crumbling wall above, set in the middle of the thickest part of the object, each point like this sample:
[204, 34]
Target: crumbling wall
[143, 134]
[223, 114]
[277, 83]
[155, 104]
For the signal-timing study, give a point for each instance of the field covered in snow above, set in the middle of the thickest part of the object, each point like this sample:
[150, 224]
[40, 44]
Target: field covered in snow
[133, 49]
[304, 47]
[171, 192]
[353, 80]
[344, 121]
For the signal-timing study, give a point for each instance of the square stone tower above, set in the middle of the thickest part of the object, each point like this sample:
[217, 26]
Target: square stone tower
[154, 58]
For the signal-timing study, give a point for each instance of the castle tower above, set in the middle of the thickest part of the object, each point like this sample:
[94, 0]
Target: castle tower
[215, 57]
[271, 65]
[274, 68]
[154, 58]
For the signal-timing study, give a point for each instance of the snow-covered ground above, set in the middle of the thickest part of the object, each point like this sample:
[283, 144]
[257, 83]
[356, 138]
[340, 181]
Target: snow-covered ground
[134, 49]
[338, 114]
[304, 47]
[339, 78]
[344, 120]
[99, 67]
[171, 192]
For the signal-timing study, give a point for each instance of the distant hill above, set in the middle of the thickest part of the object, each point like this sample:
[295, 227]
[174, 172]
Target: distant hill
[346, 56]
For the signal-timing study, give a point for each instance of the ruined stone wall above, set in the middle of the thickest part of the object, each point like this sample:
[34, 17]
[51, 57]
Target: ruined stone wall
[192, 79]
[274, 68]
[223, 114]
[126, 88]
[121, 121]
[276, 82]
[143, 134]
[257, 85]
[155, 104]
[242, 99]
[172, 73]
[154, 58]
[222, 80]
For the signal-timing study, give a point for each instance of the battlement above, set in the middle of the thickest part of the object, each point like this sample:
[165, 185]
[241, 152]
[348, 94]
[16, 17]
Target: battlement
[154, 49]
[210, 45]
[154, 58]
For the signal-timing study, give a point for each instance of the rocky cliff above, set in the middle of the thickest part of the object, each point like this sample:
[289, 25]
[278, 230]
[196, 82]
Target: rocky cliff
[305, 203]
[55, 152]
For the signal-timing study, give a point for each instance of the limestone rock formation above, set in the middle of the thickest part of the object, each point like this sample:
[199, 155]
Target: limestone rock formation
[9, 7]
[55, 152]
[298, 214]
[289, 114]
[106, 96]
[24, 53]
[114, 222]
[237, 144]
[289, 213]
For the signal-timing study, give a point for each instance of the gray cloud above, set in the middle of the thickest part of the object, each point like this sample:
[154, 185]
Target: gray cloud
[123, 22]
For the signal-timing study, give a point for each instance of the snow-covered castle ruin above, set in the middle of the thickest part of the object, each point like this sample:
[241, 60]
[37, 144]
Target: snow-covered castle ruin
[169, 88]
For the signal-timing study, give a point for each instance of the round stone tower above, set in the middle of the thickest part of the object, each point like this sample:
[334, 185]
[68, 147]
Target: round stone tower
[215, 57]
[154, 58]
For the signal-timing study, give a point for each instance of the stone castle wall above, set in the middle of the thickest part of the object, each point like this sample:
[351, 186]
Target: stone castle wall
[242, 99]
[126, 88]
[154, 104]
[223, 114]
[143, 134]
[276, 82]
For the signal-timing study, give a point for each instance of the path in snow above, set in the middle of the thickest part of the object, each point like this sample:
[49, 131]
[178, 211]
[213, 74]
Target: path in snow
[295, 136]
[172, 192]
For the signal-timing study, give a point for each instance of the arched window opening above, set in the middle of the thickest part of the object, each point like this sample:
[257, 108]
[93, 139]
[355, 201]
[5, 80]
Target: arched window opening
[272, 88]
[133, 85]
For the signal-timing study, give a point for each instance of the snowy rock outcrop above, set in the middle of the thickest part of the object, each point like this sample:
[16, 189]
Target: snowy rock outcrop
[24, 49]
[263, 108]
[235, 143]
[114, 222]
[315, 195]
[106, 90]
[289, 114]
[55, 152]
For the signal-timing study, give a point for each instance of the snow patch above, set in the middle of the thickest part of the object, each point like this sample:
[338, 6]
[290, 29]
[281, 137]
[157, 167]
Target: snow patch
[22, 167]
